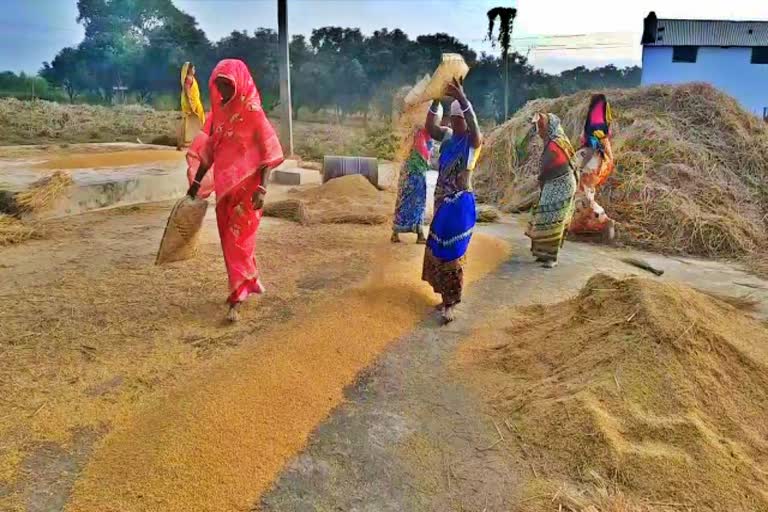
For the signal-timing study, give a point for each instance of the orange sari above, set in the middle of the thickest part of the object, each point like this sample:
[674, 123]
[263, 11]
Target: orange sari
[241, 143]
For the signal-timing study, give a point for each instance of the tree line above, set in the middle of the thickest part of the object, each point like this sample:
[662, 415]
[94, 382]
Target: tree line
[137, 47]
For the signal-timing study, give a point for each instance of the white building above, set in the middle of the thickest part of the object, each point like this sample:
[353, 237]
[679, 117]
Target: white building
[730, 55]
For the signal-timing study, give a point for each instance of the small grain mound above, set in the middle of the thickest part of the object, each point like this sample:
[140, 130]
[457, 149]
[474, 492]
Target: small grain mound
[487, 213]
[14, 231]
[42, 193]
[290, 209]
[691, 168]
[635, 395]
[346, 200]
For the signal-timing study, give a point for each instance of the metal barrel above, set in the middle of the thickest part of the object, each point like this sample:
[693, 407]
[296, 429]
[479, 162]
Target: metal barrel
[338, 166]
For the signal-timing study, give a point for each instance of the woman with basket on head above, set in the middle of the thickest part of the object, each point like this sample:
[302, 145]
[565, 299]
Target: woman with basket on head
[454, 217]
[244, 148]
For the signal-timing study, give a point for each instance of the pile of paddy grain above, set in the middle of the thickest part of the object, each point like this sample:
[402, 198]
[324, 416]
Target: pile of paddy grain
[346, 200]
[634, 396]
[691, 168]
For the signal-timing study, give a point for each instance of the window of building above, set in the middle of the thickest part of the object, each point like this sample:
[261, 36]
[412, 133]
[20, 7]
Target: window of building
[685, 53]
[760, 55]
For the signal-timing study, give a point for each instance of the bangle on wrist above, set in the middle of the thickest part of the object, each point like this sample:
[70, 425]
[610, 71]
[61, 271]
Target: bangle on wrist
[469, 107]
[262, 189]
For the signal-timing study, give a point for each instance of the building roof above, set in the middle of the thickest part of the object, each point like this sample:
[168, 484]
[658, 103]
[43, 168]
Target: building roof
[666, 32]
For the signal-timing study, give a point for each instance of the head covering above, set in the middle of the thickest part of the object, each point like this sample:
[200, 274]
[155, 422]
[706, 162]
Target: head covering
[184, 70]
[456, 110]
[556, 134]
[242, 137]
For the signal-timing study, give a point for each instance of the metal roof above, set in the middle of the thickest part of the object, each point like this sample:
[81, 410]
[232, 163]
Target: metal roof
[709, 33]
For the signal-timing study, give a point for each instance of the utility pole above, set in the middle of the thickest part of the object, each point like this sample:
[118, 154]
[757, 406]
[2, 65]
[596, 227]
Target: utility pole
[286, 114]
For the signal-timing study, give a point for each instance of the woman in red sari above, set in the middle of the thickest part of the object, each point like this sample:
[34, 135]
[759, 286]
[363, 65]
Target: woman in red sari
[242, 145]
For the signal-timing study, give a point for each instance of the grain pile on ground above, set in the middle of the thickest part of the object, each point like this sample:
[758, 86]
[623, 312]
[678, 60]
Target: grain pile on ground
[290, 209]
[691, 168]
[103, 159]
[14, 231]
[42, 193]
[346, 200]
[487, 213]
[634, 396]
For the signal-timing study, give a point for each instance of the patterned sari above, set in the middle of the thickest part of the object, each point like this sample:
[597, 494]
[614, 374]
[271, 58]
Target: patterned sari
[453, 221]
[552, 215]
[412, 186]
[241, 144]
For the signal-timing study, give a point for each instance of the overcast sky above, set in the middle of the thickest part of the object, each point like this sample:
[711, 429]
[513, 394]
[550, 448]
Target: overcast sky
[32, 31]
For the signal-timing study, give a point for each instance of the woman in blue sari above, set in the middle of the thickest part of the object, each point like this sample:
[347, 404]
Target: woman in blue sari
[454, 217]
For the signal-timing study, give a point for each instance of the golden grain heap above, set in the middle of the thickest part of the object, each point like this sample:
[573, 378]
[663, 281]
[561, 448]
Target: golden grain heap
[346, 200]
[691, 167]
[634, 396]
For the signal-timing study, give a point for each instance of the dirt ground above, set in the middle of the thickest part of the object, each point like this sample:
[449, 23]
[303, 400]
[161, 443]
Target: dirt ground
[121, 388]
[417, 433]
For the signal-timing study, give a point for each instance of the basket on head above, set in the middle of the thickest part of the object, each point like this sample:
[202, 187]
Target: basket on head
[182, 231]
[452, 67]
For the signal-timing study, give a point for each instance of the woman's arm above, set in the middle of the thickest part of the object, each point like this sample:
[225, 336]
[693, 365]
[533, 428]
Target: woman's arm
[195, 186]
[456, 90]
[436, 131]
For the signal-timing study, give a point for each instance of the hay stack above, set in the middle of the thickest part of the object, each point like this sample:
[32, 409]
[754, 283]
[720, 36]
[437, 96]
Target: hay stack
[691, 167]
[14, 231]
[645, 393]
[42, 193]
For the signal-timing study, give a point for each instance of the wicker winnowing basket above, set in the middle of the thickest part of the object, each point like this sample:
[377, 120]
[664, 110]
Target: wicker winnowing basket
[452, 66]
[182, 231]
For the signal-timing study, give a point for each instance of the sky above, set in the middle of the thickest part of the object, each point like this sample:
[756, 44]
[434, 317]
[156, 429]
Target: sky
[555, 34]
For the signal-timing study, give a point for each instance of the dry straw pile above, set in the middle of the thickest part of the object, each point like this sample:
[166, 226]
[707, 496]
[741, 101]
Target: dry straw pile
[14, 231]
[648, 397]
[39, 196]
[42, 193]
[692, 168]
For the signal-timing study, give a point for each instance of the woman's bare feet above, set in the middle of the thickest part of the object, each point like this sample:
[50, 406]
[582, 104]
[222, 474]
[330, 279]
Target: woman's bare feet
[449, 314]
[420, 239]
[395, 238]
[549, 264]
[234, 313]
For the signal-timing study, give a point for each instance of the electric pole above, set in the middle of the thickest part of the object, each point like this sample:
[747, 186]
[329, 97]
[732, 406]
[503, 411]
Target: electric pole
[286, 114]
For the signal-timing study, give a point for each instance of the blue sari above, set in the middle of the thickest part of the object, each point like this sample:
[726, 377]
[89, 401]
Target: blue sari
[454, 220]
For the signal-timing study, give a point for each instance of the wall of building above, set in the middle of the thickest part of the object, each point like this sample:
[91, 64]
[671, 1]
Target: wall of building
[728, 69]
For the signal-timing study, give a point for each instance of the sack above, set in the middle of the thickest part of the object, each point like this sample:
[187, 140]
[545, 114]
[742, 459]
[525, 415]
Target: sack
[182, 231]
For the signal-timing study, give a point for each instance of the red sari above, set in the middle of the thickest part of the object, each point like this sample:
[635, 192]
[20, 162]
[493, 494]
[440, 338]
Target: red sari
[241, 143]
